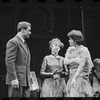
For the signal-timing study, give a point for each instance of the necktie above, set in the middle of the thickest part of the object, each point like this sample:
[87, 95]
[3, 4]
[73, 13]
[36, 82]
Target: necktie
[26, 45]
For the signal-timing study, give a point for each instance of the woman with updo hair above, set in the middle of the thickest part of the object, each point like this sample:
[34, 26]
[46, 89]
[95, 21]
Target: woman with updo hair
[79, 63]
[53, 70]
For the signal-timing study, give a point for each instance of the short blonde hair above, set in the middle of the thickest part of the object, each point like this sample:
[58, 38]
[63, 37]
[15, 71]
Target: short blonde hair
[56, 40]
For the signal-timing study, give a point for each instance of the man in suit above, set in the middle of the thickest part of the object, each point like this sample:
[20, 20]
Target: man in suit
[18, 62]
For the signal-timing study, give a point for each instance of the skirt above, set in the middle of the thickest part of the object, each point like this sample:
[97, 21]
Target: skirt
[53, 88]
[83, 88]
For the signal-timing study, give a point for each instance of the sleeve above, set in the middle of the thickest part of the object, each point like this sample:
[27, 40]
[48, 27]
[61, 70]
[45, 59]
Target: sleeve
[90, 64]
[11, 51]
[69, 57]
[83, 55]
[68, 51]
[43, 66]
[65, 67]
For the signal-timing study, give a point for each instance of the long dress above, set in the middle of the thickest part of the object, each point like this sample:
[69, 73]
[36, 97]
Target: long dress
[83, 87]
[52, 87]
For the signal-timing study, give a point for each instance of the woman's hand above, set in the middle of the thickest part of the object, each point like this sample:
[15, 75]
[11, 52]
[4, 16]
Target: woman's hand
[73, 82]
[59, 72]
[56, 76]
[50, 74]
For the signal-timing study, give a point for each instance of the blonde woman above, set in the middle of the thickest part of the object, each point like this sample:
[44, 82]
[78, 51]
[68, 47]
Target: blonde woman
[53, 70]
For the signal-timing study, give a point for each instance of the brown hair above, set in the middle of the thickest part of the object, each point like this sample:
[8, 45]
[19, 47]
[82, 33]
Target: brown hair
[77, 36]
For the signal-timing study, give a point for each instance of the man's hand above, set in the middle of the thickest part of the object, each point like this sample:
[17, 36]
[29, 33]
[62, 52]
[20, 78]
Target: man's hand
[15, 83]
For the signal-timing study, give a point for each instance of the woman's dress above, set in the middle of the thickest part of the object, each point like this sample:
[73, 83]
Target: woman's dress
[82, 87]
[52, 87]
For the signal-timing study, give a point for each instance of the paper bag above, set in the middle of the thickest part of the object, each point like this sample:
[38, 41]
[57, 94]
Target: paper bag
[34, 83]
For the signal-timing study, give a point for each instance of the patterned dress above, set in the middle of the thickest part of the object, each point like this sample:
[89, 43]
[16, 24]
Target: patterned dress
[83, 87]
[52, 87]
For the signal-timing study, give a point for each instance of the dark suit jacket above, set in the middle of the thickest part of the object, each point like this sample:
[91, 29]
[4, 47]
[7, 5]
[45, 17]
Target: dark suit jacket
[17, 62]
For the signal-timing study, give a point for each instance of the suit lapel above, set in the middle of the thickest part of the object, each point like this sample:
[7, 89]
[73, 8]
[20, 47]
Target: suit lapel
[22, 45]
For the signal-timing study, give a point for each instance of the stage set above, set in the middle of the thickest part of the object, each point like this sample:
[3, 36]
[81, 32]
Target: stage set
[49, 19]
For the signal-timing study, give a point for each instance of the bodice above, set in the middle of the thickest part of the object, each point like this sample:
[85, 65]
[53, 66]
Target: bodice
[52, 63]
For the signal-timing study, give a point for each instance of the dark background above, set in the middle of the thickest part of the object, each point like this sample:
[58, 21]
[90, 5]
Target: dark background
[49, 19]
